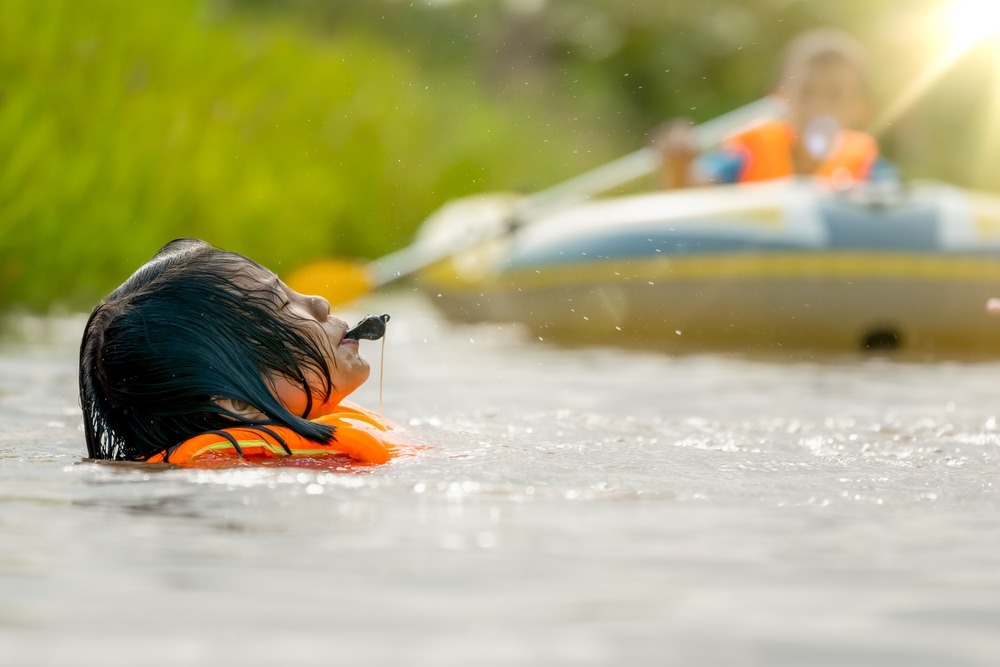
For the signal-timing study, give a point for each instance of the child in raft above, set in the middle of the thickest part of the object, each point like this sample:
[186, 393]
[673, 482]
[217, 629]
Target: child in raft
[823, 85]
[203, 356]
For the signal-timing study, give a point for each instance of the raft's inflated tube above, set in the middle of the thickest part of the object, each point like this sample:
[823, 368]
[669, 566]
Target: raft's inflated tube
[370, 328]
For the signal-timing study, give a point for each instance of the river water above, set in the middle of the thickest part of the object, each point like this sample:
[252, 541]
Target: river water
[574, 507]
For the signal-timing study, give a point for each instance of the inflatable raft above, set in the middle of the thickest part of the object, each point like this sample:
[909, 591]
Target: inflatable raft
[775, 266]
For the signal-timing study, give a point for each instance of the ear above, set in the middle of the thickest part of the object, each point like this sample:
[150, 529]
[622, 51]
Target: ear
[241, 408]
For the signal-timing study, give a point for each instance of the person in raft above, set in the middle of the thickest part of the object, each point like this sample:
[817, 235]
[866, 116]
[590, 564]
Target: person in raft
[203, 357]
[823, 85]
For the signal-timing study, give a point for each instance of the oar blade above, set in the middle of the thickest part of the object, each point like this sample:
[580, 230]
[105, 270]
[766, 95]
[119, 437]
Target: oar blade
[337, 280]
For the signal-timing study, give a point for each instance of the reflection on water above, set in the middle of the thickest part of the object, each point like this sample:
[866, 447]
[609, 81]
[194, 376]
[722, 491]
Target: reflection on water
[576, 507]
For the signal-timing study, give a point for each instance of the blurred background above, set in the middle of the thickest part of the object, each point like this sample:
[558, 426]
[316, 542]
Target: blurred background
[290, 130]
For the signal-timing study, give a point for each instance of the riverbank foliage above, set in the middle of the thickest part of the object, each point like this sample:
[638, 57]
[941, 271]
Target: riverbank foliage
[124, 125]
[293, 130]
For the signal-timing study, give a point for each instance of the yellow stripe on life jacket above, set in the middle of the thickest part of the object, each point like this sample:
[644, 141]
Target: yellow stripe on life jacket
[358, 434]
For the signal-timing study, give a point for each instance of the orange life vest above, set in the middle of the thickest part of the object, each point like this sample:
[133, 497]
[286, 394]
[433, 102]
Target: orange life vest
[767, 151]
[358, 434]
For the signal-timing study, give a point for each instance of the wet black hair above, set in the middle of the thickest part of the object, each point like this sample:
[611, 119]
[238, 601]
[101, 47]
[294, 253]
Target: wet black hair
[181, 333]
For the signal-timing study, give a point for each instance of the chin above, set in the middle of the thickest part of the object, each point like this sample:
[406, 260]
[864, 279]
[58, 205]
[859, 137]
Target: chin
[362, 378]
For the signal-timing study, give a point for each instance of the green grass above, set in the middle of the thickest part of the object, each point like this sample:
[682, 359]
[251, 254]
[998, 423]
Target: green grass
[124, 125]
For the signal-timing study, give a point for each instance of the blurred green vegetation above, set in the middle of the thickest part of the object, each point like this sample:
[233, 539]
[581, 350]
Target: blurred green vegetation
[295, 129]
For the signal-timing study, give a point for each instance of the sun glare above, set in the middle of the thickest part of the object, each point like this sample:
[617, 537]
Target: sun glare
[968, 22]
[959, 26]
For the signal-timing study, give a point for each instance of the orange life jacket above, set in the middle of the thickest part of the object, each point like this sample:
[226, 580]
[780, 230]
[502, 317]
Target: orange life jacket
[358, 434]
[767, 151]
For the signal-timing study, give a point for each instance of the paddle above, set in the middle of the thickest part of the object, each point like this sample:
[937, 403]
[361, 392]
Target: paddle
[341, 281]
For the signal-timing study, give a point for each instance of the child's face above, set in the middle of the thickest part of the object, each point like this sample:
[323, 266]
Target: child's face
[831, 88]
[311, 315]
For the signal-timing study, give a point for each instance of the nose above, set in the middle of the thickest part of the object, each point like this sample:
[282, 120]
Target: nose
[320, 307]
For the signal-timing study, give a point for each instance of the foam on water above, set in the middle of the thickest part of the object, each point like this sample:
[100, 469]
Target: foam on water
[572, 507]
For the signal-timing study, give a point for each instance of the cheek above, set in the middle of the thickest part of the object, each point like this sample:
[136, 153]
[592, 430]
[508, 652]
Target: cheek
[294, 397]
[348, 373]
[289, 394]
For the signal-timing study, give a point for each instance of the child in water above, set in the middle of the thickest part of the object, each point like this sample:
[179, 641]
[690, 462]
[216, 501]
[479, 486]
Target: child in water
[823, 85]
[203, 355]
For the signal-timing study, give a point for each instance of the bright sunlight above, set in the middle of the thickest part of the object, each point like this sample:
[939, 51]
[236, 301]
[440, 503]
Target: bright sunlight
[959, 26]
[970, 22]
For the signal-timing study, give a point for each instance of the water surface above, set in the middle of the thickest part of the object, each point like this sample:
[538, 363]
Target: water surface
[577, 507]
